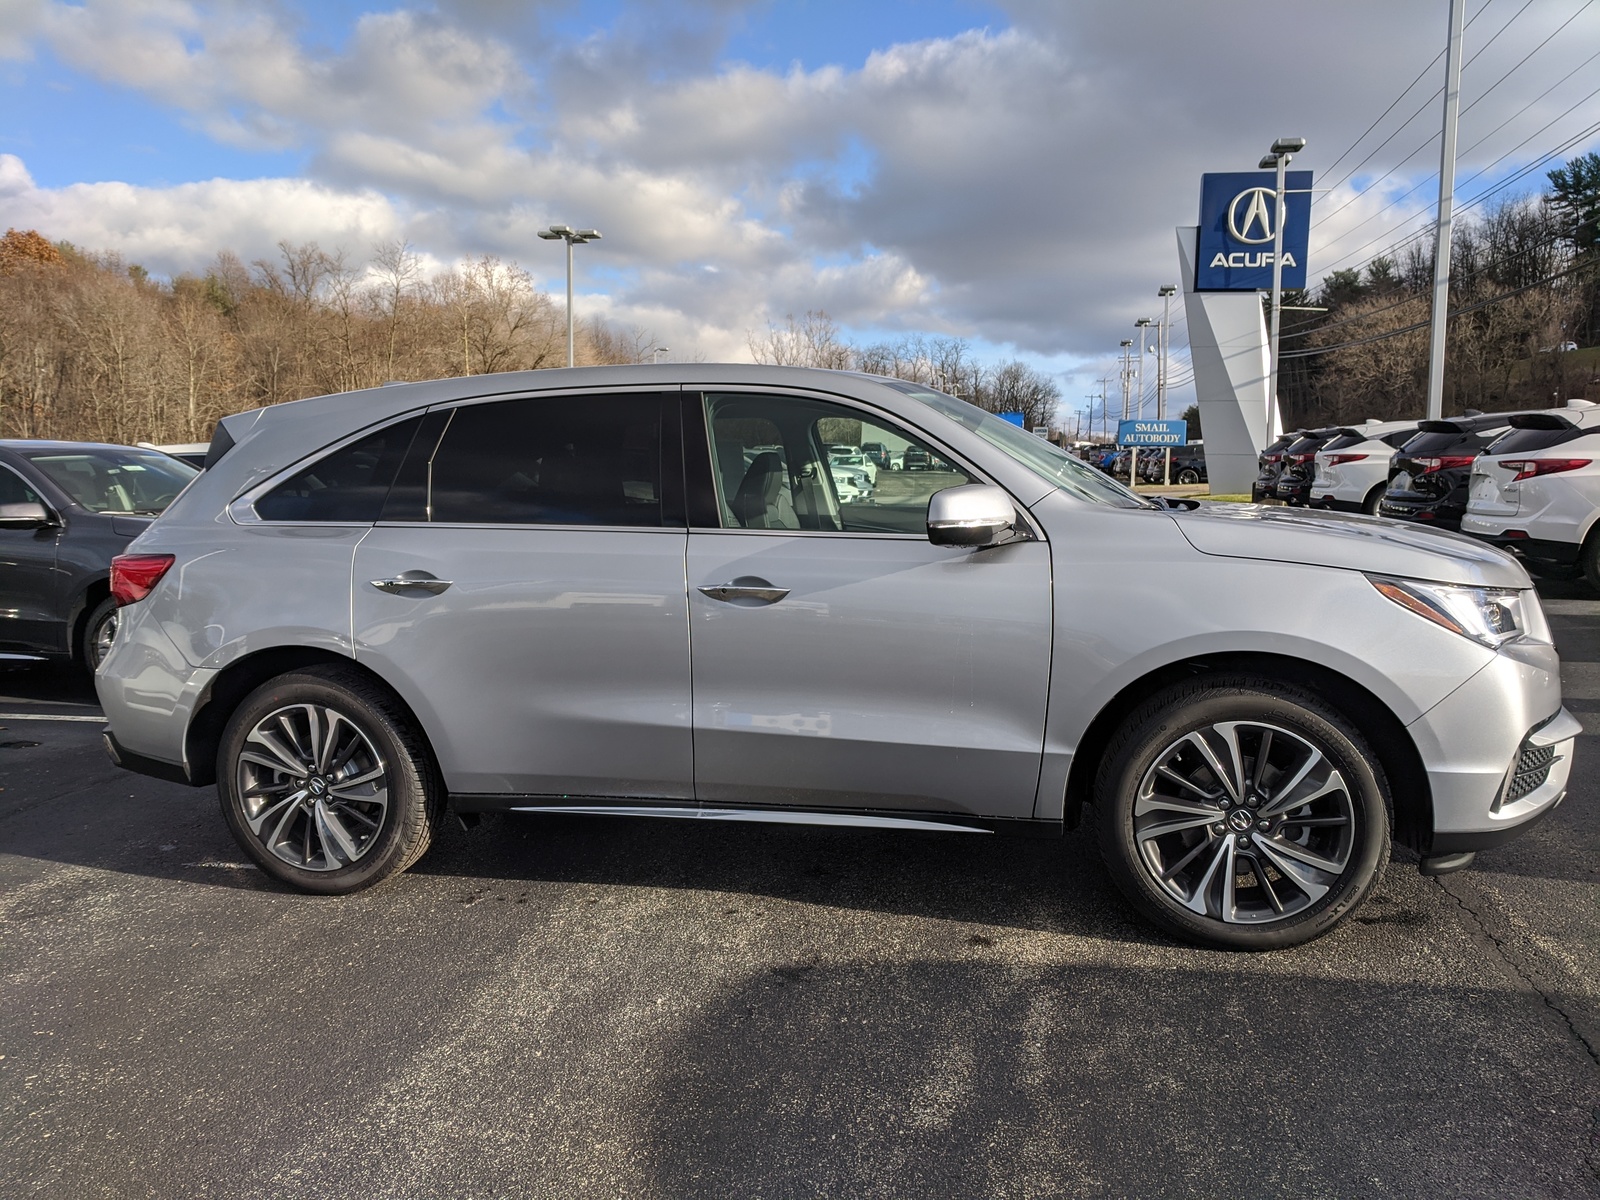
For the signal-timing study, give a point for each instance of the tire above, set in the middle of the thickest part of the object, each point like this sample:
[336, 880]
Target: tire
[367, 808]
[1188, 476]
[99, 628]
[1374, 498]
[1589, 560]
[1151, 827]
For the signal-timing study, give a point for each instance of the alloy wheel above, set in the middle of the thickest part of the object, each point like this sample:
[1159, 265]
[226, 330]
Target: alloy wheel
[101, 638]
[1244, 822]
[313, 789]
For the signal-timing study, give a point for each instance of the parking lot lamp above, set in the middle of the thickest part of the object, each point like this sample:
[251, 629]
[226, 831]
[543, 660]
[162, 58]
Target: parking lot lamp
[1127, 376]
[1166, 294]
[1143, 326]
[1278, 157]
[572, 237]
[655, 355]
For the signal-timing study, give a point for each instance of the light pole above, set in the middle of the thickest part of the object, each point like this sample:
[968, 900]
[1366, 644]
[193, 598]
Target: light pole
[572, 237]
[1143, 326]
[1166, 294]
[1127, 375]
[655, 355]
[1282, 151]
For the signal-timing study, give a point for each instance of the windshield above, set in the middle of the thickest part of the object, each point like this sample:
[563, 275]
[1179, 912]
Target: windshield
[1045, 459]
[112, 480]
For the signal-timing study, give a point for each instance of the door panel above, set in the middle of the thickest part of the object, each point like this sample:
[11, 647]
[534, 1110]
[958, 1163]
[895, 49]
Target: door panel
[894, 674]
[556, 662]
[32, 608]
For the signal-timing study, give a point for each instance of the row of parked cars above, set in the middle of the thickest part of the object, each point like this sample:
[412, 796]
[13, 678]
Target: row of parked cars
[1528, 482]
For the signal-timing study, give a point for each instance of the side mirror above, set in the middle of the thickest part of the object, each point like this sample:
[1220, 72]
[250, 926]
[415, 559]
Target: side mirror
[27, 515]
[975, 514]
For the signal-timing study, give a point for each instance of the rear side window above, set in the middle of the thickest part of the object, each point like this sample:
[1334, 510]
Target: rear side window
[1454, 442]
[551, 460]
[347, 486]
[1343, 440]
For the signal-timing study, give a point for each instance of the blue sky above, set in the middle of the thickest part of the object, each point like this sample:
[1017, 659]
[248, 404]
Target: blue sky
[1009, 172]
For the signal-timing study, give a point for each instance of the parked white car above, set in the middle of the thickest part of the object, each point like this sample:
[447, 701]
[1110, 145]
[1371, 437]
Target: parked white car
[1536, 491]
[1352, 468]
[856, 462]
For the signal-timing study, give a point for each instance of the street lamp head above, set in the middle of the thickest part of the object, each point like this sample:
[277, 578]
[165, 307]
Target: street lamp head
[1168, 290]
[1127, 341]
[1269, 162]
[1288, 145]
[586, 235]
[1142, 321]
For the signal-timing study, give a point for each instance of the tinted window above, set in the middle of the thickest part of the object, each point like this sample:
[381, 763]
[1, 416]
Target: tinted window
[1457, 442]
[14, 491]
[1342, 440]
[1524, 441]
[112, 480]
[777, 466]
[555, 460]
[348, 485]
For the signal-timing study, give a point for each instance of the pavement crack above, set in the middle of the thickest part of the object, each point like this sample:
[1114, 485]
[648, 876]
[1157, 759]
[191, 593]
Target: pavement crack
[1528, 978]
[1532, 982]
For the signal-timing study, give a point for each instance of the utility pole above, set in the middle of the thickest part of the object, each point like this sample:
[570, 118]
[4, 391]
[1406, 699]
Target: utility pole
[1447, 188]
[1282, 151]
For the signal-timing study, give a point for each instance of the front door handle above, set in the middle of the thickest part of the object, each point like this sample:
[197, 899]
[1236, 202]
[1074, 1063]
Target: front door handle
[411, 581]
[745, 589]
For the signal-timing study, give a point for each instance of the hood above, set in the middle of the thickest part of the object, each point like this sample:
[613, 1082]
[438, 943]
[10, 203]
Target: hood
[1355, 543]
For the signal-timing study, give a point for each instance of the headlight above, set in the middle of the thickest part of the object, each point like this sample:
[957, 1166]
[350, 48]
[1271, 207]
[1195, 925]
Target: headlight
[1490, 616]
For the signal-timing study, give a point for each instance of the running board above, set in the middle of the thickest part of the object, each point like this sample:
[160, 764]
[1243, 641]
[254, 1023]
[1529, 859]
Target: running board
[771, 816]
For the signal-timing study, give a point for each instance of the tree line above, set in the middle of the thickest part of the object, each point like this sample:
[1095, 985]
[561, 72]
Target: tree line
[945, 363]
[1524, 284]
[95, 349]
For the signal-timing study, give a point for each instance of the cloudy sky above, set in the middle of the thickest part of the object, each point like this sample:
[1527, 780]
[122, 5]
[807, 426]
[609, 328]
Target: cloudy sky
[1008, 171]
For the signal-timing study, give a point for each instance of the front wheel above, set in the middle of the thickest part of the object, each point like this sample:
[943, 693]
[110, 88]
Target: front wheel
[1242, 813]
[325, 783]
[1188, 476]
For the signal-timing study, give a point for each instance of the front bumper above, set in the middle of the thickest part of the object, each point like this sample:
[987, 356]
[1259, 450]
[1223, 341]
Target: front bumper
[1498, 750]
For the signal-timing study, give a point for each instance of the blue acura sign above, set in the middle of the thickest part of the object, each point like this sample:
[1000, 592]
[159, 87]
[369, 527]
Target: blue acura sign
[1238, 221]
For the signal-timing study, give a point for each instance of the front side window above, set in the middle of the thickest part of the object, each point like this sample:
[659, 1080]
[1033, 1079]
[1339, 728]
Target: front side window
[13, 490]
[551, 460]
[793, 463]
[112, 480]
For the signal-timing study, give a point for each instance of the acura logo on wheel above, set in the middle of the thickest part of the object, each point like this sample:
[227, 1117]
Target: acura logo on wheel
[1252, 209]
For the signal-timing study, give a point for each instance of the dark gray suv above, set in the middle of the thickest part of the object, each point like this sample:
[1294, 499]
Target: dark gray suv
[66, 509]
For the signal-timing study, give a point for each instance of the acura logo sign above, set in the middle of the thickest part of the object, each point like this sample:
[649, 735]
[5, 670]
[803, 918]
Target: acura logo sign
[1250, 214]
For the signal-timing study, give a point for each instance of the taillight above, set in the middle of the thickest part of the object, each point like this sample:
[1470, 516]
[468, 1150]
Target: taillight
[133, 576]
[1444, 462]
[1527, 468]
[1335, 460]
[1302, 458]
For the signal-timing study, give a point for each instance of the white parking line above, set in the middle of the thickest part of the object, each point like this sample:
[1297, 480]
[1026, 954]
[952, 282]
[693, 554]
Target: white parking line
[49, 717]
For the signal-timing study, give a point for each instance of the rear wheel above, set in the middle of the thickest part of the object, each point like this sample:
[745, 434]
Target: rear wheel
[1589, 559]
[1188, 476]
[1374, 498]
[325, 783]
[99, 631]
[1242, 813]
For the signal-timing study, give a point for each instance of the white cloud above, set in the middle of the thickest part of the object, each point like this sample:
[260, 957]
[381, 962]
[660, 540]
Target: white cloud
[1018, 186]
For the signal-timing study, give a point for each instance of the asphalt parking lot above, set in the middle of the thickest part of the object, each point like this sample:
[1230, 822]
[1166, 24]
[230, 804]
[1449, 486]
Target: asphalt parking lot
[601, 1007]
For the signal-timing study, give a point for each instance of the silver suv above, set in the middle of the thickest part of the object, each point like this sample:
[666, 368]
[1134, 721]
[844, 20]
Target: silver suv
[640, 590]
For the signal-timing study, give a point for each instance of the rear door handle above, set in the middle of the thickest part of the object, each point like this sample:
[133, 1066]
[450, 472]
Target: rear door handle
[763, 592]
[411, 581]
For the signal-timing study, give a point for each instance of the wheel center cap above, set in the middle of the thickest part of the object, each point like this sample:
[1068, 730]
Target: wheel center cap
[1241, 819]
[317, 786]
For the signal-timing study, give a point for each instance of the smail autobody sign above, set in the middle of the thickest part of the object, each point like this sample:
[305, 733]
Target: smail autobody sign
[1238, 222]
[1152, 433]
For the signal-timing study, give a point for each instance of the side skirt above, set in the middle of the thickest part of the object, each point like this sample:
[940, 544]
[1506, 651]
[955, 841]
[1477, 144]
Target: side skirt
[677, 810]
